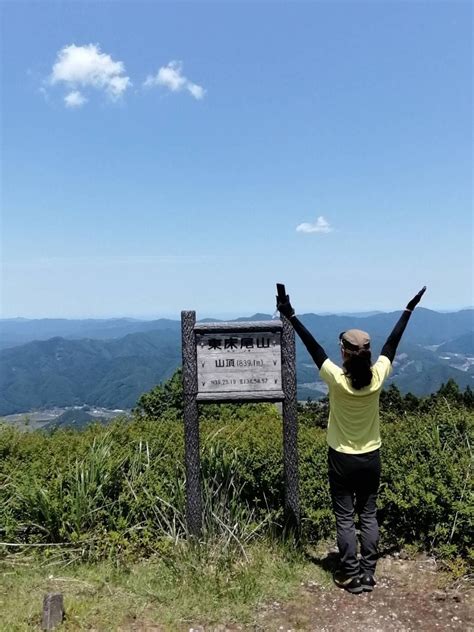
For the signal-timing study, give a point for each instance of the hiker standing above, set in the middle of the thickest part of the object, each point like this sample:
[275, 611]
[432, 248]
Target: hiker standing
[353, 437]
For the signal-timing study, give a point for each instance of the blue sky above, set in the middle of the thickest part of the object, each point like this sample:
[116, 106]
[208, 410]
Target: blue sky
[161, 156]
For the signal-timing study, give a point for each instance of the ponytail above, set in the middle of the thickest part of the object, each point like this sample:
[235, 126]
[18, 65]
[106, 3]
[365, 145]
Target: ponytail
[357, 367]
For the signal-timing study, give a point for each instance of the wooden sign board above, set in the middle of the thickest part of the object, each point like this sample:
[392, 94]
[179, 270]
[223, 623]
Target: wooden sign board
[243, 363]
[238, 362]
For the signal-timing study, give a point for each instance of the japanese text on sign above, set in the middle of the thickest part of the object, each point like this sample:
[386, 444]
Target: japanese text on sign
[241, 362]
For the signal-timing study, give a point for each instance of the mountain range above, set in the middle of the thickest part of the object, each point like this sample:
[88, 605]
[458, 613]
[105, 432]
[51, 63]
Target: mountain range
[18, 331]
[110, 363]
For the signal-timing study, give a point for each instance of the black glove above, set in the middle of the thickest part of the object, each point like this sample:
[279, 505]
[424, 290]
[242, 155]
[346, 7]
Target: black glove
[416, 299]
[284, 306]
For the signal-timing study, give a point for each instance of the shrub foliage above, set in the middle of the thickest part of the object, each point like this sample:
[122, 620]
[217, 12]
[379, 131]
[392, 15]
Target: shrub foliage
[120, 489]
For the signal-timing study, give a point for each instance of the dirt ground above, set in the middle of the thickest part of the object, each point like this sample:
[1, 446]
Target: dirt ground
[409, 597]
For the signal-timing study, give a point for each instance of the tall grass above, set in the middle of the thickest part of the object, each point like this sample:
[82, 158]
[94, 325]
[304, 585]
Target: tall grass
[119, 491]
[117, 499]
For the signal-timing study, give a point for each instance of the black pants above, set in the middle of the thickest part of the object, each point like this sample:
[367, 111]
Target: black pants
[354, 481]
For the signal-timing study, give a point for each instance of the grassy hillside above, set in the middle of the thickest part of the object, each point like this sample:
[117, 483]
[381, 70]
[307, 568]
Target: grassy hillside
[121, 487]
[100, 514]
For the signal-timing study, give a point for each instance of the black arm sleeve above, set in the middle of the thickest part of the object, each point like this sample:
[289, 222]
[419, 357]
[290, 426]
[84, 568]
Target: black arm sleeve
[314, 348]
[390, 347]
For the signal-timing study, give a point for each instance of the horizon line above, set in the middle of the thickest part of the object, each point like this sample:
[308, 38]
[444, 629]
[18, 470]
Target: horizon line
[232, 315]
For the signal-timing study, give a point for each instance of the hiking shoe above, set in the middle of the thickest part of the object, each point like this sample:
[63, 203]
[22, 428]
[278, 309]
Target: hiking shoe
[368, 582]
[351, 584]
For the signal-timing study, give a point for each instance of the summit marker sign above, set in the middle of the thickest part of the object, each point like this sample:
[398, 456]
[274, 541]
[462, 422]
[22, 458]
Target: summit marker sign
[238, 362]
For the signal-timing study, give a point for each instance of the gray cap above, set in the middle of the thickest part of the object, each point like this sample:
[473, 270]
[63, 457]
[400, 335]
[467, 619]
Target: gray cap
[356, 339]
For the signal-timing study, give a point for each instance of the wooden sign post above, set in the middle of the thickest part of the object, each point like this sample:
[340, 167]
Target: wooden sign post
[238, 362]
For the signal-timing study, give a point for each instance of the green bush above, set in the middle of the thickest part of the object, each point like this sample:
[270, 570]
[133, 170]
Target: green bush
[120, 489]
[426, 494]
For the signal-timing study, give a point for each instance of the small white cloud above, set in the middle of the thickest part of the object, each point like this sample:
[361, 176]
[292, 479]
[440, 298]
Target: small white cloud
[198, 92]
[171, 77]
[74, 99]
[321, 225]
[168, 76]
[87, 66]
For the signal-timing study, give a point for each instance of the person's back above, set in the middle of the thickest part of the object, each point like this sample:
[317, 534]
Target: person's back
[353, 425]
[353, 438]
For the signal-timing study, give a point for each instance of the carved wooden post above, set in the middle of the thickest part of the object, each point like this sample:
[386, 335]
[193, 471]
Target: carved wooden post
[191, 425]
[290, 427]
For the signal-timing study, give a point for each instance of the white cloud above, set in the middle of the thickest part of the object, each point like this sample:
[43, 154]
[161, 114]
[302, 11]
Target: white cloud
[171, 77]
[198, 92]
[74, 99]
[321, 225]
[87, 66]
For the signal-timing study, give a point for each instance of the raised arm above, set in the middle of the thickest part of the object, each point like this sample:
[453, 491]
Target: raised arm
[314, 348]
[390, 347]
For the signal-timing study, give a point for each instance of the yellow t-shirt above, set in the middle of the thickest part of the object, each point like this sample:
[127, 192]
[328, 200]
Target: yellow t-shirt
[353, 425]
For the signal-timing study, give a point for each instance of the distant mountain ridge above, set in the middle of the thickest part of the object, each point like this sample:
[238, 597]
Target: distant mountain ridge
[110, 368]
[462, 344]
[14, 332]
[108, 373]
